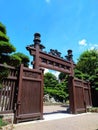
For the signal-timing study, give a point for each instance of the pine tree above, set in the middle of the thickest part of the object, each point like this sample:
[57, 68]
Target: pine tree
[6, 48]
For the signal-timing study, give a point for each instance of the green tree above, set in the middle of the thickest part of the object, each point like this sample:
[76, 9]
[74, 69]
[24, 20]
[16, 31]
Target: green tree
[78, 74]
[50, 80]
[88, 62]
[62, 76]
[55, 89]
[7, 51]
[6, 48]
[24, 58]
[88, 67]
[62, 93]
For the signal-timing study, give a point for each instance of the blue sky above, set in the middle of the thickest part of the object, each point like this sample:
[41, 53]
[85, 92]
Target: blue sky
[63, 24]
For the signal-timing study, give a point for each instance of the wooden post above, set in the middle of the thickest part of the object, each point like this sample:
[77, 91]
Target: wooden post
[90, 99]
[72, 97]
[70, 58]
[18, 105]
[37, 47]
[42, 91]
[83, 96]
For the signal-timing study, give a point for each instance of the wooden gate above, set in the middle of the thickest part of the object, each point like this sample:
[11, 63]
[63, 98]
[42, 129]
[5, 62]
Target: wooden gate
[79, 91]
[30, 95]
[80, 95]
[22, 91]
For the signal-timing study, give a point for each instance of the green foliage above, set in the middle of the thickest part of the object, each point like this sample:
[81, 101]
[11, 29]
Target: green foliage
[3, 37]
[3, 72]
[7, 49]
[80, 75]
[50, 80]
[14, 60]
[62, 76]
[62, 91]
[2, 123]
[2, 28]
[55, 89]
[88, 62]
[5, 46]
[24, 58]
[87, 66]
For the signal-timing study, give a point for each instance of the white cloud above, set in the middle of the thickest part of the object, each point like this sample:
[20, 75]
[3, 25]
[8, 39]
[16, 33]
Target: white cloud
[83, 42]
[47, 1]
[90, 46]
[93, 46]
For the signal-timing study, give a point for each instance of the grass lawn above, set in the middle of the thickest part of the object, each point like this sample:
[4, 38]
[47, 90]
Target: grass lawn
[2, 123]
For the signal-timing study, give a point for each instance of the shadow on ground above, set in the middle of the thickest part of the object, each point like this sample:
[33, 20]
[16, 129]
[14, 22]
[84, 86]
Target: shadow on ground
[66, 111]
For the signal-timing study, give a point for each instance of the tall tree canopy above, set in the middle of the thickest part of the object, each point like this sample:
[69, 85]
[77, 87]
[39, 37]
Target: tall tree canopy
[87, 66]
[88, 62]
[7, 50]
[5, 46]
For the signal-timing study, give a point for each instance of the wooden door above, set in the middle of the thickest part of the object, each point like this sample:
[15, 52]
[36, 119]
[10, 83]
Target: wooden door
[30, 95]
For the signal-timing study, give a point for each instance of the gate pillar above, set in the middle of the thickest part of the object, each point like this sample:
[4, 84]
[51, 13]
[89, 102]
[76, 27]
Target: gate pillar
[72, 100]
[37, 47]
[71, 88]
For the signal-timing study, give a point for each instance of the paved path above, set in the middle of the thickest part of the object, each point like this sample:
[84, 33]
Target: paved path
[56, 118]
[80, 122]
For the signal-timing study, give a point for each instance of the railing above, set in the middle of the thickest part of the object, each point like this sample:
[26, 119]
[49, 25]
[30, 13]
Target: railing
[8, 90]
